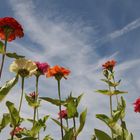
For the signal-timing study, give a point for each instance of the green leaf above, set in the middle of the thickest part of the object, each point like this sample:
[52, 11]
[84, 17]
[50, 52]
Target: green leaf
[48, 138]
[82, 121]
[116, 92]
[58, 123]
[7, 87]
[103, 118]
[79, 99]
[110, 93]
[5, 121]
[101, 135]
[32, 102]
[38, 126]
[71, 108]
[112, 84]
[93, 137]
[104, 91]
[14, 55]
[52, 101]
[14, 114]
[69, 135]
[1, 47]
[29, 138]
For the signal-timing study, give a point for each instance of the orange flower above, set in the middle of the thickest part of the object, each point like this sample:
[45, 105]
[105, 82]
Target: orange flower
[11, 28]
[58, 72]
[109, 65]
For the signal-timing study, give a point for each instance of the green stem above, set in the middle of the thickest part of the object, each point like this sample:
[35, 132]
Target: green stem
[59, 94]
[74, 123]
[22, 88]
[36, 98]
[118, 104]
[111, 110]
[3, 55]
[67, 122]
[36, 109]
[12, 136]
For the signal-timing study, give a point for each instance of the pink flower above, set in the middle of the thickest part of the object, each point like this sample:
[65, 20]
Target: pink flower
[33, 95]
[16, 131]
[42, 67]
[137, 105]
[63, 114]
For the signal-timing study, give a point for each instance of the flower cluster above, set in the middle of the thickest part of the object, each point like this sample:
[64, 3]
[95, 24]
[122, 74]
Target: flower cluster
[137, 105]
[63, 114]
[16, 131]
[109, 65]
[11, 28]
[33, 95]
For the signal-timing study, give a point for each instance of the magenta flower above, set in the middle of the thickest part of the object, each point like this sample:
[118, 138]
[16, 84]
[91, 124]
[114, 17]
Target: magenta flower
[42, 67]
[63, 114]
[137, 105]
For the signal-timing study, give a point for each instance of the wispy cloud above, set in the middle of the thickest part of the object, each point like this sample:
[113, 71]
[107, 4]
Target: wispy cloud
[115, 34]
[68, 47]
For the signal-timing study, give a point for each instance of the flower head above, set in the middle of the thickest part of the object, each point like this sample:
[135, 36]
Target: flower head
[58, 72]
[42, 68]
[23, 67]
[137, 105]
[16, 131]
[109, 65]
[63, 114]
[11, 28]
[33, 95]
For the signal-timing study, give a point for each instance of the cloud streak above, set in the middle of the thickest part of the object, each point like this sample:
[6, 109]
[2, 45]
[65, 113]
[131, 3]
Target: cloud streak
[128, 28]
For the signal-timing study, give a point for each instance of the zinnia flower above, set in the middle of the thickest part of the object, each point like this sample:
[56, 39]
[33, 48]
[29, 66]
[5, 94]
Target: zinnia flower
[137, 105]
[109, 65]
[42, 67]
[63, 114]
[23, 67]
[33, 95]
[16, 131]
[11, 28]
[58, 72]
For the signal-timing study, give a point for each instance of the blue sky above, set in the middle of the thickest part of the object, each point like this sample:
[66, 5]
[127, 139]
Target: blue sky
[80, 35]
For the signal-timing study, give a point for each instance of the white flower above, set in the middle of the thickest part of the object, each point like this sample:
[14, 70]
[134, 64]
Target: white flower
[23, 67]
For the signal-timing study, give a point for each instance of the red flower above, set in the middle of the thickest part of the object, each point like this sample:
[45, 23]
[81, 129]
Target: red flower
[109, 65]
[11, 27]
[33, 95]
[137, 105]
[58, 72]
[63, 114]
[16, 131]
[42, 67]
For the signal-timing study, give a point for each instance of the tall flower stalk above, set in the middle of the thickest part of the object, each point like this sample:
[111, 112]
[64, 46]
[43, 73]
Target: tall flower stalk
[58, 72]
[24, 68]
[9, 30]
[59, 95]
[22, 93]
[3, 55]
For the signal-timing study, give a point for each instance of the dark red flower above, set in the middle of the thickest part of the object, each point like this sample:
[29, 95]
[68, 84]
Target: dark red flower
[42, 67]
[16, 131]
[33, 95]
[10, 27]
[137, 105]
[109, 65]
[63, 114]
